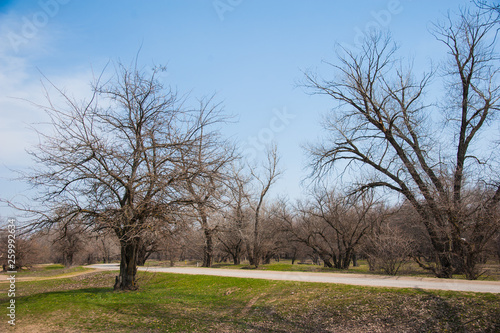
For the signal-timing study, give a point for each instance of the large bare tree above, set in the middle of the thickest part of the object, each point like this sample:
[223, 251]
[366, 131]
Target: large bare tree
[384, 126]
[113, 160]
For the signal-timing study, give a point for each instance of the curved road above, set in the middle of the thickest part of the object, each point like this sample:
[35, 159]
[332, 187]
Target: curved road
[352, 279]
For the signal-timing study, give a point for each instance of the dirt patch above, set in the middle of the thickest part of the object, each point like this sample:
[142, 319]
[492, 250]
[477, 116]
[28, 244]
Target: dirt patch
[249, 305]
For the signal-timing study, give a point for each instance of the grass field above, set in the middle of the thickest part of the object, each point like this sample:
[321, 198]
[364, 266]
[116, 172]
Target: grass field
[182, 303]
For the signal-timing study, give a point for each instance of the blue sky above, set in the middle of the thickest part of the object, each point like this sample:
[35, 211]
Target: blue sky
[250, 53]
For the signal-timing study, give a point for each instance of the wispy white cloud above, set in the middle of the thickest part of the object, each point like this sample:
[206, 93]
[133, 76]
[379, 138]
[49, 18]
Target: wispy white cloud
[28, 31]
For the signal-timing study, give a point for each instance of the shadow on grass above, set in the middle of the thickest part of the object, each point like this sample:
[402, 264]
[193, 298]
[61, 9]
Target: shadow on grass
[450, 317]
[149, 308]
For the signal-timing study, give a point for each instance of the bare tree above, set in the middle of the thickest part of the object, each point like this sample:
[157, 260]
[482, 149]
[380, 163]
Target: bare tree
[264, 182]
[104, 245]
[205, 187]
[113, 160]
[27, 250]
[333, 225]
[69, 241]
[388, 248]
[490, 6]
[237, 216]
[384, 126]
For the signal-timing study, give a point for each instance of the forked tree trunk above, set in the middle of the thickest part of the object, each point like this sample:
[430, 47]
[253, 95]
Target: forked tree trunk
[128, 265]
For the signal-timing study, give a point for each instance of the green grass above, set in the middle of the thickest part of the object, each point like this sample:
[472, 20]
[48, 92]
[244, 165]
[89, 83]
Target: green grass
[185, 303]
[53, 266]
[286, 265]
[52, 270]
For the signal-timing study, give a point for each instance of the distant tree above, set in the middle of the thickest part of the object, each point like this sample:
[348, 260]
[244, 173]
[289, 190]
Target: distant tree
[388, 248]
[104, 245]
[27, 251]
[204, 188]
[150, 242]
[68, 242]
[237, 217]
[264, 181]
[384, 127]
[333, 225]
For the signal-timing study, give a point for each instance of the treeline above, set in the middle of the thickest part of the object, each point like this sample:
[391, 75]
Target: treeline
[328, 229]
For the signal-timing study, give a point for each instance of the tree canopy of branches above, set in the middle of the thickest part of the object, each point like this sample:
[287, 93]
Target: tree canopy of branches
[112, 161]
[385, 127]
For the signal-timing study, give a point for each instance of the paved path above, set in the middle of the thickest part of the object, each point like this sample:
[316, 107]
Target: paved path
[352, 279]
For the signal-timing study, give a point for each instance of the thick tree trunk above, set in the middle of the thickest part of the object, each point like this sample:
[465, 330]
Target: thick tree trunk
[128, 265]
[346, 259]
[256, 258]
[445, 269]
[256, 255]
[498, 248]
[68, 259]
[250, 254]
[267, 259]
[208, 249]
[237, 255]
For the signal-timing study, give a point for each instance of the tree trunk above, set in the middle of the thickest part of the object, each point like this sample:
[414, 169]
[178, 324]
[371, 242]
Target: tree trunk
[68, 260]
[355, 260]
[237, 254]
[256, 258]
[208, 249]
[250, 254]
[256, 249]
[498, 248]
[267, 259]
[128, 265]
[326, 261]
[346, 259]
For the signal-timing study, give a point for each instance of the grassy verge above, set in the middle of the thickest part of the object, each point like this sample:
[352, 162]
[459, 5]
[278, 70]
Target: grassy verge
[183, 303]
[52, 270]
